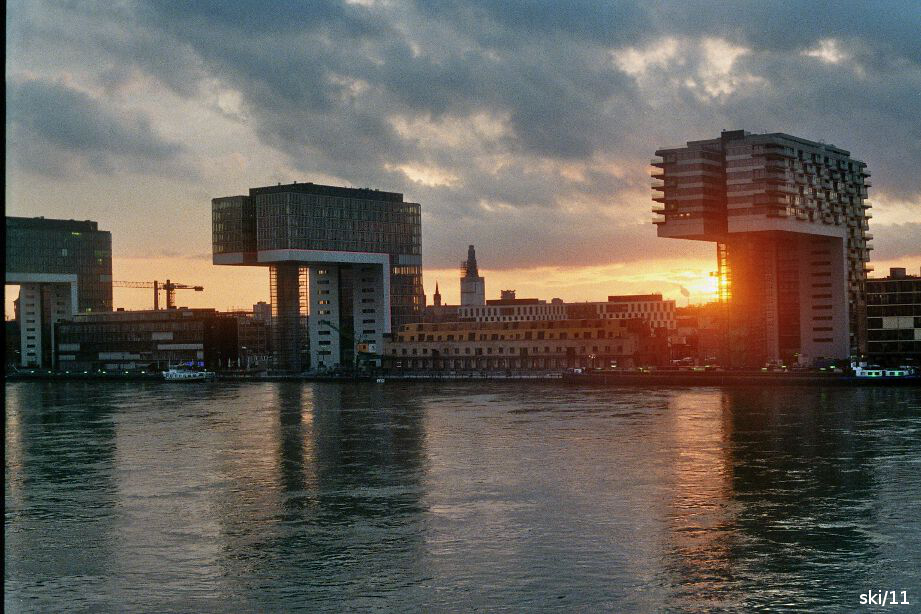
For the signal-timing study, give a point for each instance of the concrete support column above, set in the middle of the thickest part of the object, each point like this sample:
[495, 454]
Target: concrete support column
[369, 309]
[30, 325]
[287, 312]
[324, 325]
[42, 306]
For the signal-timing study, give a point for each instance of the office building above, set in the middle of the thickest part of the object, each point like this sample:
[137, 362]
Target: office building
[62, 267]
[699, 333]
[894, 319]
[534, 345]
[789, 220]
[512, 310]
[147, 339]
[262, 311]
[650, 308]
[472, 286]
[349, 257]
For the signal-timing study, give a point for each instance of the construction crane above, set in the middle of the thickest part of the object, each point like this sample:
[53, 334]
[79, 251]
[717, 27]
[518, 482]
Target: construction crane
[168, 287]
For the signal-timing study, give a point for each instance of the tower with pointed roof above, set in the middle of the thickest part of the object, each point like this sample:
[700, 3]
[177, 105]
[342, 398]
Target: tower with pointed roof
[473, 287]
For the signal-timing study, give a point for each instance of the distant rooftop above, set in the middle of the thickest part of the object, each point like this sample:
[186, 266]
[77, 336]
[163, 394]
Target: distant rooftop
[634, 298]
[732, 135]
[328, 190]
[40, 223]
[515, 301]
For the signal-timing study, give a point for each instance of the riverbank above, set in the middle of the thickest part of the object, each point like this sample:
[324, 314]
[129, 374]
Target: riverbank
[599, 378]
[724, 378]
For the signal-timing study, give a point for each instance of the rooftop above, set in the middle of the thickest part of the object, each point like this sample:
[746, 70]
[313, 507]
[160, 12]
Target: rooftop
[328, 190]
[40, 223]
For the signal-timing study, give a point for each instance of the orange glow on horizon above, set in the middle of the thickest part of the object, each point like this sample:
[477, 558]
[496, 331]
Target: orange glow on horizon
[229, 287]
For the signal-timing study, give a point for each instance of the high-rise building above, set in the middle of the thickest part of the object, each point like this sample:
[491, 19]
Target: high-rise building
[473, 287]
[789, 218]
[894, 318]
[351, 257]
[62, 267]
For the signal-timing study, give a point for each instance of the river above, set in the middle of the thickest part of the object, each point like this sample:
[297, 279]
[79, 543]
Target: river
[489, 496]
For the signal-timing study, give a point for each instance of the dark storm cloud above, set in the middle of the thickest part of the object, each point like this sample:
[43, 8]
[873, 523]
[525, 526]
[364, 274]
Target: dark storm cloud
[323, 82]
[45, 119]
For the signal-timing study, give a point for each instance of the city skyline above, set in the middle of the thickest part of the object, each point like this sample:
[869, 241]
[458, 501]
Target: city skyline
[533, 148]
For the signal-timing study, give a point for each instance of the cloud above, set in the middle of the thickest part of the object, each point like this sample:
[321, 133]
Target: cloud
[57, 129]
[894, 241]
[522, 127]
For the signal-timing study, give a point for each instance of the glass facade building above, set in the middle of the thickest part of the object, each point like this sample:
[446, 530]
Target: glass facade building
[894, 319]
[350, 258]
[63, 267]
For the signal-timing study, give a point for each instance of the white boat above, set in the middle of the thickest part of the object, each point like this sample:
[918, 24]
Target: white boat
[864, 370]
[186, 375]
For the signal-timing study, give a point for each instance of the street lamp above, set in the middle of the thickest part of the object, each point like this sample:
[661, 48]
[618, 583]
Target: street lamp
[592, 358]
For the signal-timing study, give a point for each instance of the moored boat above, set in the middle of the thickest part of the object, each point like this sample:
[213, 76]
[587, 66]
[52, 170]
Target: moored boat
[187, 375]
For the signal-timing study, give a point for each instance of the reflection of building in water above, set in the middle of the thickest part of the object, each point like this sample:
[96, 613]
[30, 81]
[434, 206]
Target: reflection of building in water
[60, 459]
[318, 467]
[764, 495]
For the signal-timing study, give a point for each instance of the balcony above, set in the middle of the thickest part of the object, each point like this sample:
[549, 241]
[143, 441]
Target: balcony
[867, 183]
[779, 212]
[659, 199]
[657, 162]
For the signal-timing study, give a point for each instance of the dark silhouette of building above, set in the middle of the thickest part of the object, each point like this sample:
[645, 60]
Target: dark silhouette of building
[894, 319]
[62, 267]
[150, 339]
[789, 220]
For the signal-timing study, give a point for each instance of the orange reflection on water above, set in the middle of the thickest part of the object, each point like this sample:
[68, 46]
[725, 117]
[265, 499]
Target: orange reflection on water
[700, 514]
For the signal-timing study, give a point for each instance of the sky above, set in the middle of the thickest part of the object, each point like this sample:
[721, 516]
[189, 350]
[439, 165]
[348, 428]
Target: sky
[525, 128]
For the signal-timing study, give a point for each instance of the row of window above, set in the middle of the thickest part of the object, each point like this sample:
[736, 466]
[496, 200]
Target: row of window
[506, 351]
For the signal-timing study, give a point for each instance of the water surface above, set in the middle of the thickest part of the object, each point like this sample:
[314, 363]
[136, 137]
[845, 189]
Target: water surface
[458, 496]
